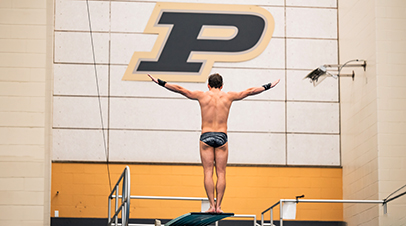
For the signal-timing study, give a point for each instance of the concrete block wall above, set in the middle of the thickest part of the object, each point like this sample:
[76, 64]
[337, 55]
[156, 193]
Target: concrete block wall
[372, 109]
[358, 112]
[391, 105]
[25, 107]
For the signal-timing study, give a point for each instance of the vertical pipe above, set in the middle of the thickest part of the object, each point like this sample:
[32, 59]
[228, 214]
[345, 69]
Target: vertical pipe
[126, 194]
[123, 200]
[271, 216]
[281, 212]
[126, 205]
[116, 218]
[108, 221]
[262, 219]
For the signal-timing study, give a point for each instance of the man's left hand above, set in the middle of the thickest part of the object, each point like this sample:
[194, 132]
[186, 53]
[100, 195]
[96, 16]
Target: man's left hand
[153, 79]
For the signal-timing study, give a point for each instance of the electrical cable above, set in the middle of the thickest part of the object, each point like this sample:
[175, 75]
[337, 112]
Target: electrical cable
[395, 192]
[98, 92]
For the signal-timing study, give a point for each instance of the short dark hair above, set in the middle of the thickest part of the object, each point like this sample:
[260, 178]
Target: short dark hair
[215, 80]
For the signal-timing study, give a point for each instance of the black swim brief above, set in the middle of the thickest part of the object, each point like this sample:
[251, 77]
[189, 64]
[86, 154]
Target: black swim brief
[214, 139]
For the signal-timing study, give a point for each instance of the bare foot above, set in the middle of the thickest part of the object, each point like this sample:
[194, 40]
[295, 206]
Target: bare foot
[218, 210]
[211, 210]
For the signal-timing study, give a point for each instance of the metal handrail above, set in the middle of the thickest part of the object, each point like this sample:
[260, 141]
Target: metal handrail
[124, 208]
[166, 198]
[125, 197]
[186, 199]
[280, 203]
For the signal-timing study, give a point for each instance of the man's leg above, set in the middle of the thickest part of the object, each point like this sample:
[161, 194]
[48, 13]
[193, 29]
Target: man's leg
[221, 156]
[207, 157]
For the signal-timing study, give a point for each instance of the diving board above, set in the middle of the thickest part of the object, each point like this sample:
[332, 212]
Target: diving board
[198, 219]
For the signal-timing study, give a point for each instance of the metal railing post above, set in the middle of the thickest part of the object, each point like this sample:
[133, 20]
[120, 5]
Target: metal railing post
[124, 207]
[124, 195]
[109, 214]
[128, 194]
[282, 201]
[281, 212]
[116, 218]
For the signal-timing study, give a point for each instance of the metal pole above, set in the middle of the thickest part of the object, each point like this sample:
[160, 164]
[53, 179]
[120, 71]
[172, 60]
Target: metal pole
[272, 217]
[262, 219]
[108, 222]
[169, 198]
[116, 218]
[123, 200]
[281, 212]
[128, 193]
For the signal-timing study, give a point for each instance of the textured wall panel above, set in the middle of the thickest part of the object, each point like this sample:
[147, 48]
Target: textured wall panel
[314, 23]
[154, 146]
[263, 116]
[309, 54]
[130, 16]
[312, 3]
[75, 47]
[71, 79]
[72, 15]
[78, 145]
[79, 112]
[304, 149]
[257, 148]
[310, 117]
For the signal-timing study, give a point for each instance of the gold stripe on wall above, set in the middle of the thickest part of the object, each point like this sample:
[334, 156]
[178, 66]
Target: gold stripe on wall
[80, 190]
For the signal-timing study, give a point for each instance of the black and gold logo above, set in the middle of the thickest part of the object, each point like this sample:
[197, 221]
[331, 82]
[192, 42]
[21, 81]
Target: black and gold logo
[194, 36]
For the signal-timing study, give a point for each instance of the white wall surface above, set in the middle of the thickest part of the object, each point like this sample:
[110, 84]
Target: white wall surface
[146, 123]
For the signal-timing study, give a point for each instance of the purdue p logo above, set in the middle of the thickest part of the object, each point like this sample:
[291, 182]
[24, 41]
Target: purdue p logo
[194, 36]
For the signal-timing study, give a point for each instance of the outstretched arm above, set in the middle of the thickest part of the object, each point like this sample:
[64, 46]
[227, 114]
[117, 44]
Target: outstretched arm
[177, 89]
[252, 91]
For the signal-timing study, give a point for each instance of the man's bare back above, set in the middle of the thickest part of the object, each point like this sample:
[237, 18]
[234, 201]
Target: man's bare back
[215, 107]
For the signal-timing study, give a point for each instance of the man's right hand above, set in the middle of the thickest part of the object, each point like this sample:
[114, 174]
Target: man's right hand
[271, 85]
[275, 83]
